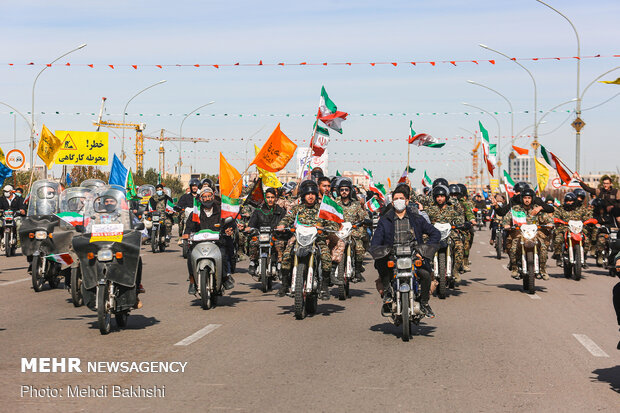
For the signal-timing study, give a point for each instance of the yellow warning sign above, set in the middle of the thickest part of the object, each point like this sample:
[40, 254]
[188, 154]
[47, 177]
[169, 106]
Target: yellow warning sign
[82, 148]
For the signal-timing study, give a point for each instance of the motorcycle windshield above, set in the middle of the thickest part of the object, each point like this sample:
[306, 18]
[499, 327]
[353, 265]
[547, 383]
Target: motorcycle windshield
[93, 184]
[444, 229]
[306, 235]
[44, 198]
[76, 206]
[575, 226]
[110, 208]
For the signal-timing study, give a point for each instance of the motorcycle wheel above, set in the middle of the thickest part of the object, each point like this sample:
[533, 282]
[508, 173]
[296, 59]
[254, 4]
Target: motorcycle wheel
[76, 287]
[498, 245]
[577, 267]
[162, 247]
[53, 276]
[121, 319]
[441, 270]
[185, 248]
[154, 242]
[300, 295]
[103, 313]
[264, 278]
[206, 295]
[404, 305]
[312, 302]
[531, 276]
[343, 286]
[7, 244]
[38, 278]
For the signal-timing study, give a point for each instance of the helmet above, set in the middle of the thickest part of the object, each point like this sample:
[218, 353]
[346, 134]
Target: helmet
[528, 192]
[463, 189]
[440, 181]
[316, 173]
[426, 190]
[579, 193]
[7, 188]
[308, 187]
[570, 196]
[345, 183]
[455, 190]
[440, 190]
[196, 182]
[289, 186]
[520, 186]
[597, 203]
[207, 182]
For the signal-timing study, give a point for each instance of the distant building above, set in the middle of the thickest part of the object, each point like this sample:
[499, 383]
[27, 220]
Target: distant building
[593, 179]
[522, 168]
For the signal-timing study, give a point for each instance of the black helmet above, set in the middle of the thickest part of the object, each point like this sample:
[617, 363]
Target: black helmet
[598, 203]
[463, 189]
[345, 183]
[580, 193]
[208, 183]
[289, 186]
[308, 187]
[440, 190]
[570, 196]
[520, 186]
[196, 182]
[316, 173]
[528, 192]
[426, 190]
[455, 190]
[440, 181]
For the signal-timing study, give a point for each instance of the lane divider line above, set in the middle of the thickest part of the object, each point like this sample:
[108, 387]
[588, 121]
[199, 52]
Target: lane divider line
[198, 335]
[534, 296]
[590, 345]
[14, 282]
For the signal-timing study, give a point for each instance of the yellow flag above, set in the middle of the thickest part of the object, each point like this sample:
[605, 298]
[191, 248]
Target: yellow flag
[269, 178]
[542, 175]
[611, 82]
[2, 159]
[48, 146]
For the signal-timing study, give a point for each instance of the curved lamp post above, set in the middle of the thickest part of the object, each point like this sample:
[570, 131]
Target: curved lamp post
[181, 130]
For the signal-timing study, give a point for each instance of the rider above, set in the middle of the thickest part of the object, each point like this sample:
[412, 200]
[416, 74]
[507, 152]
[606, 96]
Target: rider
[570, 210]
[605, 191]
[306, 213]
[402, 225]
[534, 215]
[209, 217]
[442, 212]
[187, 201]
[458, 193]
[324, 187]
[589, 231]
[267, 215]
[12, 201]
[480, 204]
[158, 202]
[497, 202]
[352, 212]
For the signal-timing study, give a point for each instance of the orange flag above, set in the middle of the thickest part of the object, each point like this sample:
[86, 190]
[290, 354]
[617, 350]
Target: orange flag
[389, 183]
[229, 177]
[276, 152]
[520, 151]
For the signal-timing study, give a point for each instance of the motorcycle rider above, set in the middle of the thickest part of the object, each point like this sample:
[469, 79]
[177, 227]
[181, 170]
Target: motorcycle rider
[267, 215]
[158, 202]
[324, 186]
[441, 212]
[306, 213]
[498, 201]
[570, 210]
[589, 231]
[187, 201]
[402, 225]
[458, 193]
[352, 212]
[12, 201]
[534, 215]
[481, 205]
[210, 218]
[606, 192]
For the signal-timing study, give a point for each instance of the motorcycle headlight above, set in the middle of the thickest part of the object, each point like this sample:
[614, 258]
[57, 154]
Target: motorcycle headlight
[104, 255]
[529, 231]
[40, 234]
[263, 237]
[613, 235]
[404, 263]
[155, 219]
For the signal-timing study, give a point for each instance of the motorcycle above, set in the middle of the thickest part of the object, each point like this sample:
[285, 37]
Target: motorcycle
[109, 253]
[608, 235]
[205, 260]
[443, 261]
[527, 259]
[10, 233]
[573, 256]
[345, 270]
[188, 212]
[268, 266]
[479, 218]
[155, 223]
[499, 241]
[306, 271]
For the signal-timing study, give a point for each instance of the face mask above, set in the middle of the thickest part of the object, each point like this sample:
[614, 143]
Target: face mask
[207, 204]
[7, 194]
[160, 193]
[400, 205]
[18, 194]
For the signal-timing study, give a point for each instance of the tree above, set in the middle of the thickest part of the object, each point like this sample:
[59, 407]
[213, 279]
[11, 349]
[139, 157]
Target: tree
[81, 173]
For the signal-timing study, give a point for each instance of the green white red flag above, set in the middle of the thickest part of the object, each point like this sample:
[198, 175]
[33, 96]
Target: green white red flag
[408, 170]
[329, 114]
[230, 207]
[378, 189]
[509, 184]
[169, 207]
[196, 212]
[423, 139]
[426, 181]
[556, 164]
[489, 159]
[320, 140]
[373, 205]
[518, 217]
[71, 218]
[63, 259]
[330, 210]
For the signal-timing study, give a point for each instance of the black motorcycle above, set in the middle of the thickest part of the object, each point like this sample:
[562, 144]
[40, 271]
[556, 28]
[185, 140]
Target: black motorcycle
[10, 232]
[158, 231]
[268, 268]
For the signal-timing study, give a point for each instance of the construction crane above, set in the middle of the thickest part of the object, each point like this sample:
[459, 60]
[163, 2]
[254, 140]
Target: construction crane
[138, 127]
[162, 152]
[473, 179]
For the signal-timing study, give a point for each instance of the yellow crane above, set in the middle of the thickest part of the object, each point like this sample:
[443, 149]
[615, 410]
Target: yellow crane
[162, 152]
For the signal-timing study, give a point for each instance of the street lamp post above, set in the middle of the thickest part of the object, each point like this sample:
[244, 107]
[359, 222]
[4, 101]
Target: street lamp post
[499, 135]
[512, 117]
[181, 130]
[32, 124]
[124, 113]
[535, 91]
[554, 108]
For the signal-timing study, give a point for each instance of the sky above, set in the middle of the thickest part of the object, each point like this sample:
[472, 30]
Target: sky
[146, 33]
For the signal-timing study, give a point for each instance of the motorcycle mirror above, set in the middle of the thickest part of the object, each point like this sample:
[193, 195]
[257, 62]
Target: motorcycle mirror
[228, 220]
[368, 222]
[140, 226]
[80, 228]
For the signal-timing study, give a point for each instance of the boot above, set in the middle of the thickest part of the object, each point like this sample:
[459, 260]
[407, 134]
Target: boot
[324, 294]
[332, 274]
[286, 282]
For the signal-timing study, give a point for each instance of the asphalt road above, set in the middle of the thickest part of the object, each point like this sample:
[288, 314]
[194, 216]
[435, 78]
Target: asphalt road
[490, 348]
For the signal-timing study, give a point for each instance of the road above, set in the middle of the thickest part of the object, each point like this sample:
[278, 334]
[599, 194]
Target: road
[490, 348]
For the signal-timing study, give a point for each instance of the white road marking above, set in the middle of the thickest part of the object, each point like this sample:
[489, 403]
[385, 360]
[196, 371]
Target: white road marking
[482, 242]
[478, 251]
[505, 267]
[534, 296]
[13, 282]
[198, 335]
[590, 345]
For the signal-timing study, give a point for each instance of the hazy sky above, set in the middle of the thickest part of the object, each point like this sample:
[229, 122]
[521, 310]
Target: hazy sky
[223, 32]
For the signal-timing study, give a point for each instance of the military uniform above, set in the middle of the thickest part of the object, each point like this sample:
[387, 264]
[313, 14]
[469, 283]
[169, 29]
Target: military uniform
[158, 203]
[589, 231]
[575, 214]
[352, 212]
[242, 240]
[448, 214]
[541, 218]
[468, 235]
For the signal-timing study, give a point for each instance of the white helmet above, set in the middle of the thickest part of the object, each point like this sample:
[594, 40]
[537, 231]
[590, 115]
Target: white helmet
[8, 188]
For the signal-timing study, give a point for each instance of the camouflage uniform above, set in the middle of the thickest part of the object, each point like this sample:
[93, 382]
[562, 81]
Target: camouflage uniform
[245, 214]
[589, 231]
[352, 213]
[539, 219]
[448, 214]
[287, 202]
[307, 216]
[160, 206]
[468, 235]
[576, 214]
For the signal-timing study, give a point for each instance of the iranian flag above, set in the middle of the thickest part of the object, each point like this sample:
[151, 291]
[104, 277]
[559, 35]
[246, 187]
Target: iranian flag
[72, 218]
[556, 164]
[320, 140]
[373, 205]
[509, 184]
[196, 212]
[330, 210]
[329, 114]
[63, 259]
[489, 159]
[367, 173]
[206, 235]
[518, 217]
[403, 177]
[556, 202]
[230, 207]
[422, 139]
[426, 181]
[378, 189]
[169, 207]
